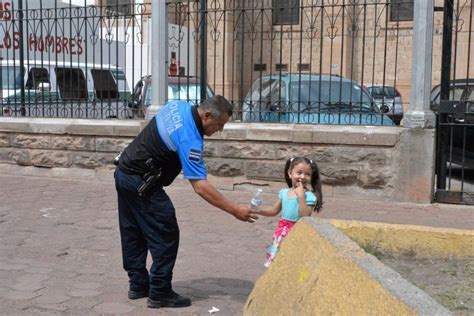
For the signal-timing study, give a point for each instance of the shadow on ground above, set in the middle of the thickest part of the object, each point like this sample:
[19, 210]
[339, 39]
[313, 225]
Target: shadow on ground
[205, 288]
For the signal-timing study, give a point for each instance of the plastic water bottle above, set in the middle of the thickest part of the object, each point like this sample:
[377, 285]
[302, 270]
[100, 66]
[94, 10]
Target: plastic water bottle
[256, 200]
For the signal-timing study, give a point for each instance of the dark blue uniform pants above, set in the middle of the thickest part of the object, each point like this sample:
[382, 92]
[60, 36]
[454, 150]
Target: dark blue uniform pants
[146, 223]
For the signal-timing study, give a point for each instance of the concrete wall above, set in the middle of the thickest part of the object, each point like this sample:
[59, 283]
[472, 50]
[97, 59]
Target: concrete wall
[320, 271]
[385, 163]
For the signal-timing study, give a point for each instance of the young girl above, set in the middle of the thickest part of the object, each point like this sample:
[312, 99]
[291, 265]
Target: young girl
[303, 196]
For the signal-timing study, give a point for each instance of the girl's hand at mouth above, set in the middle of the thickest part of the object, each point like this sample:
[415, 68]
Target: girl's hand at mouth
[300, 189]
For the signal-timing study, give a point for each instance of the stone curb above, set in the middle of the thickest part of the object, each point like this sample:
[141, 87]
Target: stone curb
[421, 241]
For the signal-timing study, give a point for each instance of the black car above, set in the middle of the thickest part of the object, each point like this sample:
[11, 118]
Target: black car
[461, 140]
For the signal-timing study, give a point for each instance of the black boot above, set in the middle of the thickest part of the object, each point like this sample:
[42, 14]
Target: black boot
[171, 299]
[133, 295]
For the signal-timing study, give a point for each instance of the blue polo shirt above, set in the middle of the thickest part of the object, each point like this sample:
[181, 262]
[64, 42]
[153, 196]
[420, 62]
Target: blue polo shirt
[174, 140]
[176, 126]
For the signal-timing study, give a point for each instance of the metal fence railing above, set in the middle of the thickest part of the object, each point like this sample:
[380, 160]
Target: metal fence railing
[313, 62]
[453, 102]
[63, 60]
[292, 61]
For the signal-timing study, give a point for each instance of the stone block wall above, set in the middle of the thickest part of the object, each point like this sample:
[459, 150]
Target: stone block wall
[85, 145]
[356, 161]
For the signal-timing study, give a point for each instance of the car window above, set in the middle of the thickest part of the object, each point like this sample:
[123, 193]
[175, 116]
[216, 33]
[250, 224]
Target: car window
[380, 92]
[321, 94]
[435, 94]
[267, 90]
[470, 95]
[104, 84]
[181, 91]
[71, 83]
[148, 96]
[301, 95]
[455, 93]
[35, 77]
[184, 91]
[10, 77]
[137, 90]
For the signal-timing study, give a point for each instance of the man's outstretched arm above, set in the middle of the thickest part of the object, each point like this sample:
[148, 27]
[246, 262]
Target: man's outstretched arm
[209, 193]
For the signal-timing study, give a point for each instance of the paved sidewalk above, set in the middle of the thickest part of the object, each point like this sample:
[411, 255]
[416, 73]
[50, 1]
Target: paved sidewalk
[60, 248]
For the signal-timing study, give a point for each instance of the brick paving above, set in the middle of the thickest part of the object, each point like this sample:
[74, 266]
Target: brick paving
[60, 247]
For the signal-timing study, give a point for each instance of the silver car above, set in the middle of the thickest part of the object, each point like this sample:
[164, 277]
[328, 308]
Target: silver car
[388, 99]
[179, 88]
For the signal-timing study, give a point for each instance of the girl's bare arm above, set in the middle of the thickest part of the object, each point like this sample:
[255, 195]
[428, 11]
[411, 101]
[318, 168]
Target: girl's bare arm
[271, 210]
[305, 210]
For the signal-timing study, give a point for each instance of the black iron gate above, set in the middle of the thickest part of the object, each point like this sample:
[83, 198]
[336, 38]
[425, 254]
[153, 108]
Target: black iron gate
[453, 102]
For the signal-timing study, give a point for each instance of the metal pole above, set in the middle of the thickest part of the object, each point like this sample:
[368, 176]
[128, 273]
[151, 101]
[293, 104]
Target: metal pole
[159, 56]
[203, 58]
[420, 114]
[22, 59]
[443, 136]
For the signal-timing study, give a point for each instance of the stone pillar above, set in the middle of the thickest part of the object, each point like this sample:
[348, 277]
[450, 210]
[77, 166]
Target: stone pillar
[420, 115]
[417, 149]
[415, 161]
[159, 56]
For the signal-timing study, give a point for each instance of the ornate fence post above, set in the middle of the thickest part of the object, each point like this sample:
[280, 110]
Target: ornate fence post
[159, 56]
[417, 150]
[420, 115]
[203, 57]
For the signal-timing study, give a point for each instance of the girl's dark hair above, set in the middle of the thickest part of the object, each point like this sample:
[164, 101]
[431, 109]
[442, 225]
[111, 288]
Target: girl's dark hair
[315, 178]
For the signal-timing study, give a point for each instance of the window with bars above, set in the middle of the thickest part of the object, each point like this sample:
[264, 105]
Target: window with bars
[304, 67]
[401, 10]
[281, 67]
[120, 6]
[286, 12]
[259, 67]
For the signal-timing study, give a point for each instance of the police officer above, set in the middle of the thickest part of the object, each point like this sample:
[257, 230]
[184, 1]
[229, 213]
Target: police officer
[172, 141]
